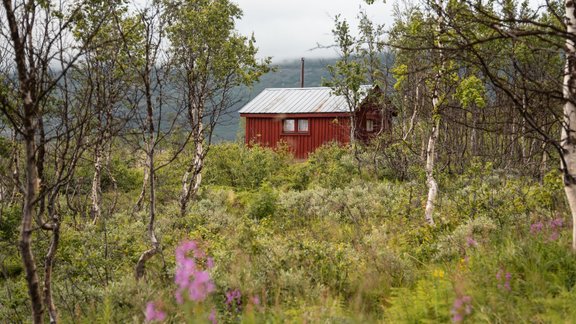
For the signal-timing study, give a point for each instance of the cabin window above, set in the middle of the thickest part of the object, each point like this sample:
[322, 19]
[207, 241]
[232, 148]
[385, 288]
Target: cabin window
[303, 125]
[289, 125]
[369, 125]
[295, 126]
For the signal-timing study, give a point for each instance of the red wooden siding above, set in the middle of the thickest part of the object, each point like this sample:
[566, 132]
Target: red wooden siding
[381, 122]
[266, 128]
[267, 131]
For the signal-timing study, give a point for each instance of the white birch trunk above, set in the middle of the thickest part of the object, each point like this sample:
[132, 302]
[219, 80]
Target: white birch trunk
[568, 136]
[192, 179]
[193, 176]
[139, 203]
[431, 150]
[96, 192]
[430, 180]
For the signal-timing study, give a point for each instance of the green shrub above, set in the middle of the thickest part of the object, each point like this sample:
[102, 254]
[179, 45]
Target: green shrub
[235, 165]
[331, 166]
[263, 203]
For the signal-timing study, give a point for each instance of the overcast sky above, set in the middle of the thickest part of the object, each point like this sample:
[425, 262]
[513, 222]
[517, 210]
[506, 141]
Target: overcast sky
[287, 29]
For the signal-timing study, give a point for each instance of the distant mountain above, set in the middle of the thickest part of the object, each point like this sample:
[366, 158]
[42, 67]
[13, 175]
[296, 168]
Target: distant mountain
[287, 75]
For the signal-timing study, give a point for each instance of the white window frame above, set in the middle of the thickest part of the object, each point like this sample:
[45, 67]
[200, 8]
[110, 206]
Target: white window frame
[300, 128]
[369, 125]
[289, 122]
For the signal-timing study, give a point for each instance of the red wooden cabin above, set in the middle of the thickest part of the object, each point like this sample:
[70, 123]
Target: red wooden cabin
[307, 118]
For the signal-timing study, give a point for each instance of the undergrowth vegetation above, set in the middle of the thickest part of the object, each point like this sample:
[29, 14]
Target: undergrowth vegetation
[325, 240]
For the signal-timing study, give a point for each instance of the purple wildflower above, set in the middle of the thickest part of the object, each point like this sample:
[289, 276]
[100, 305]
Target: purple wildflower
[232, 295]
[556, 223]
[212, 317]
[153, 314]
[536, 228]
[555, 226]
[200, 286]
[255, 300]
[552, 228]
[234, 300]
[503, 279]
[183, 249]
[471, 242]
[554, 236]
[188, 276]
[508, 276]
[457, 318]
[461, 308]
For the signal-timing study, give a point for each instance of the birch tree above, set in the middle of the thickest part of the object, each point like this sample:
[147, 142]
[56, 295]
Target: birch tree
[151, 74]
[568, 134]
[437, 99]
[211, 62]
[348, 74]
[37, 34]
[107, 79]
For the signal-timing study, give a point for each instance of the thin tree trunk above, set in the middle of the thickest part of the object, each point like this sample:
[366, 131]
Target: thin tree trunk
[414, 114]
[568, 135]
[353, 127]
[430, 181]
[49, 265]
[139, 204]
[15, 169]
[192, 179]
[30, 193]
[96, 192]
[543, 162]
[523, 145]
[148, 254]
[431, 150]
[150, 150]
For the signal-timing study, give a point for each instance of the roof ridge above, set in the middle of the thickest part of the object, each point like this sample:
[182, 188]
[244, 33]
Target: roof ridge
[305, 88]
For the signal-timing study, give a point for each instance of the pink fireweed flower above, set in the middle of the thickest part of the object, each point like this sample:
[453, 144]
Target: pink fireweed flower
[189, 277]
[554, 236]
[234, 300]
[153, 314]
[557, 223]
[212, 317]
[201, 286]
[551, 228]
[503, 279]
[461, 308]
[233, 295]
[555, 227]
[255, 300]
[471, 242]
[508, 276]
[183, 249]
[536, 228]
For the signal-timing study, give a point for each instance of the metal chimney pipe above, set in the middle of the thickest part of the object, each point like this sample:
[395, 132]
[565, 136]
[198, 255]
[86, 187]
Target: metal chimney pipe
[302, 74]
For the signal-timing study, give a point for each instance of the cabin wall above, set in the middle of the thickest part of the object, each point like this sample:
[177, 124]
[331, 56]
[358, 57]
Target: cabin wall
[267, 131]
[381, 122]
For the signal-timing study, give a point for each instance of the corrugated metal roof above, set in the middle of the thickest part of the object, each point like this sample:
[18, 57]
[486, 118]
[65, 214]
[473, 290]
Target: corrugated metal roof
[298, 101]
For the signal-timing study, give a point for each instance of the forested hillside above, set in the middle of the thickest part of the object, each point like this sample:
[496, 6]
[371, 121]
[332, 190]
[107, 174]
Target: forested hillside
[121, 201]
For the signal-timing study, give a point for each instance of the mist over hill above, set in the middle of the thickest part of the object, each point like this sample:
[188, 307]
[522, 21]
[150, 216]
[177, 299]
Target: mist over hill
[287, 75]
